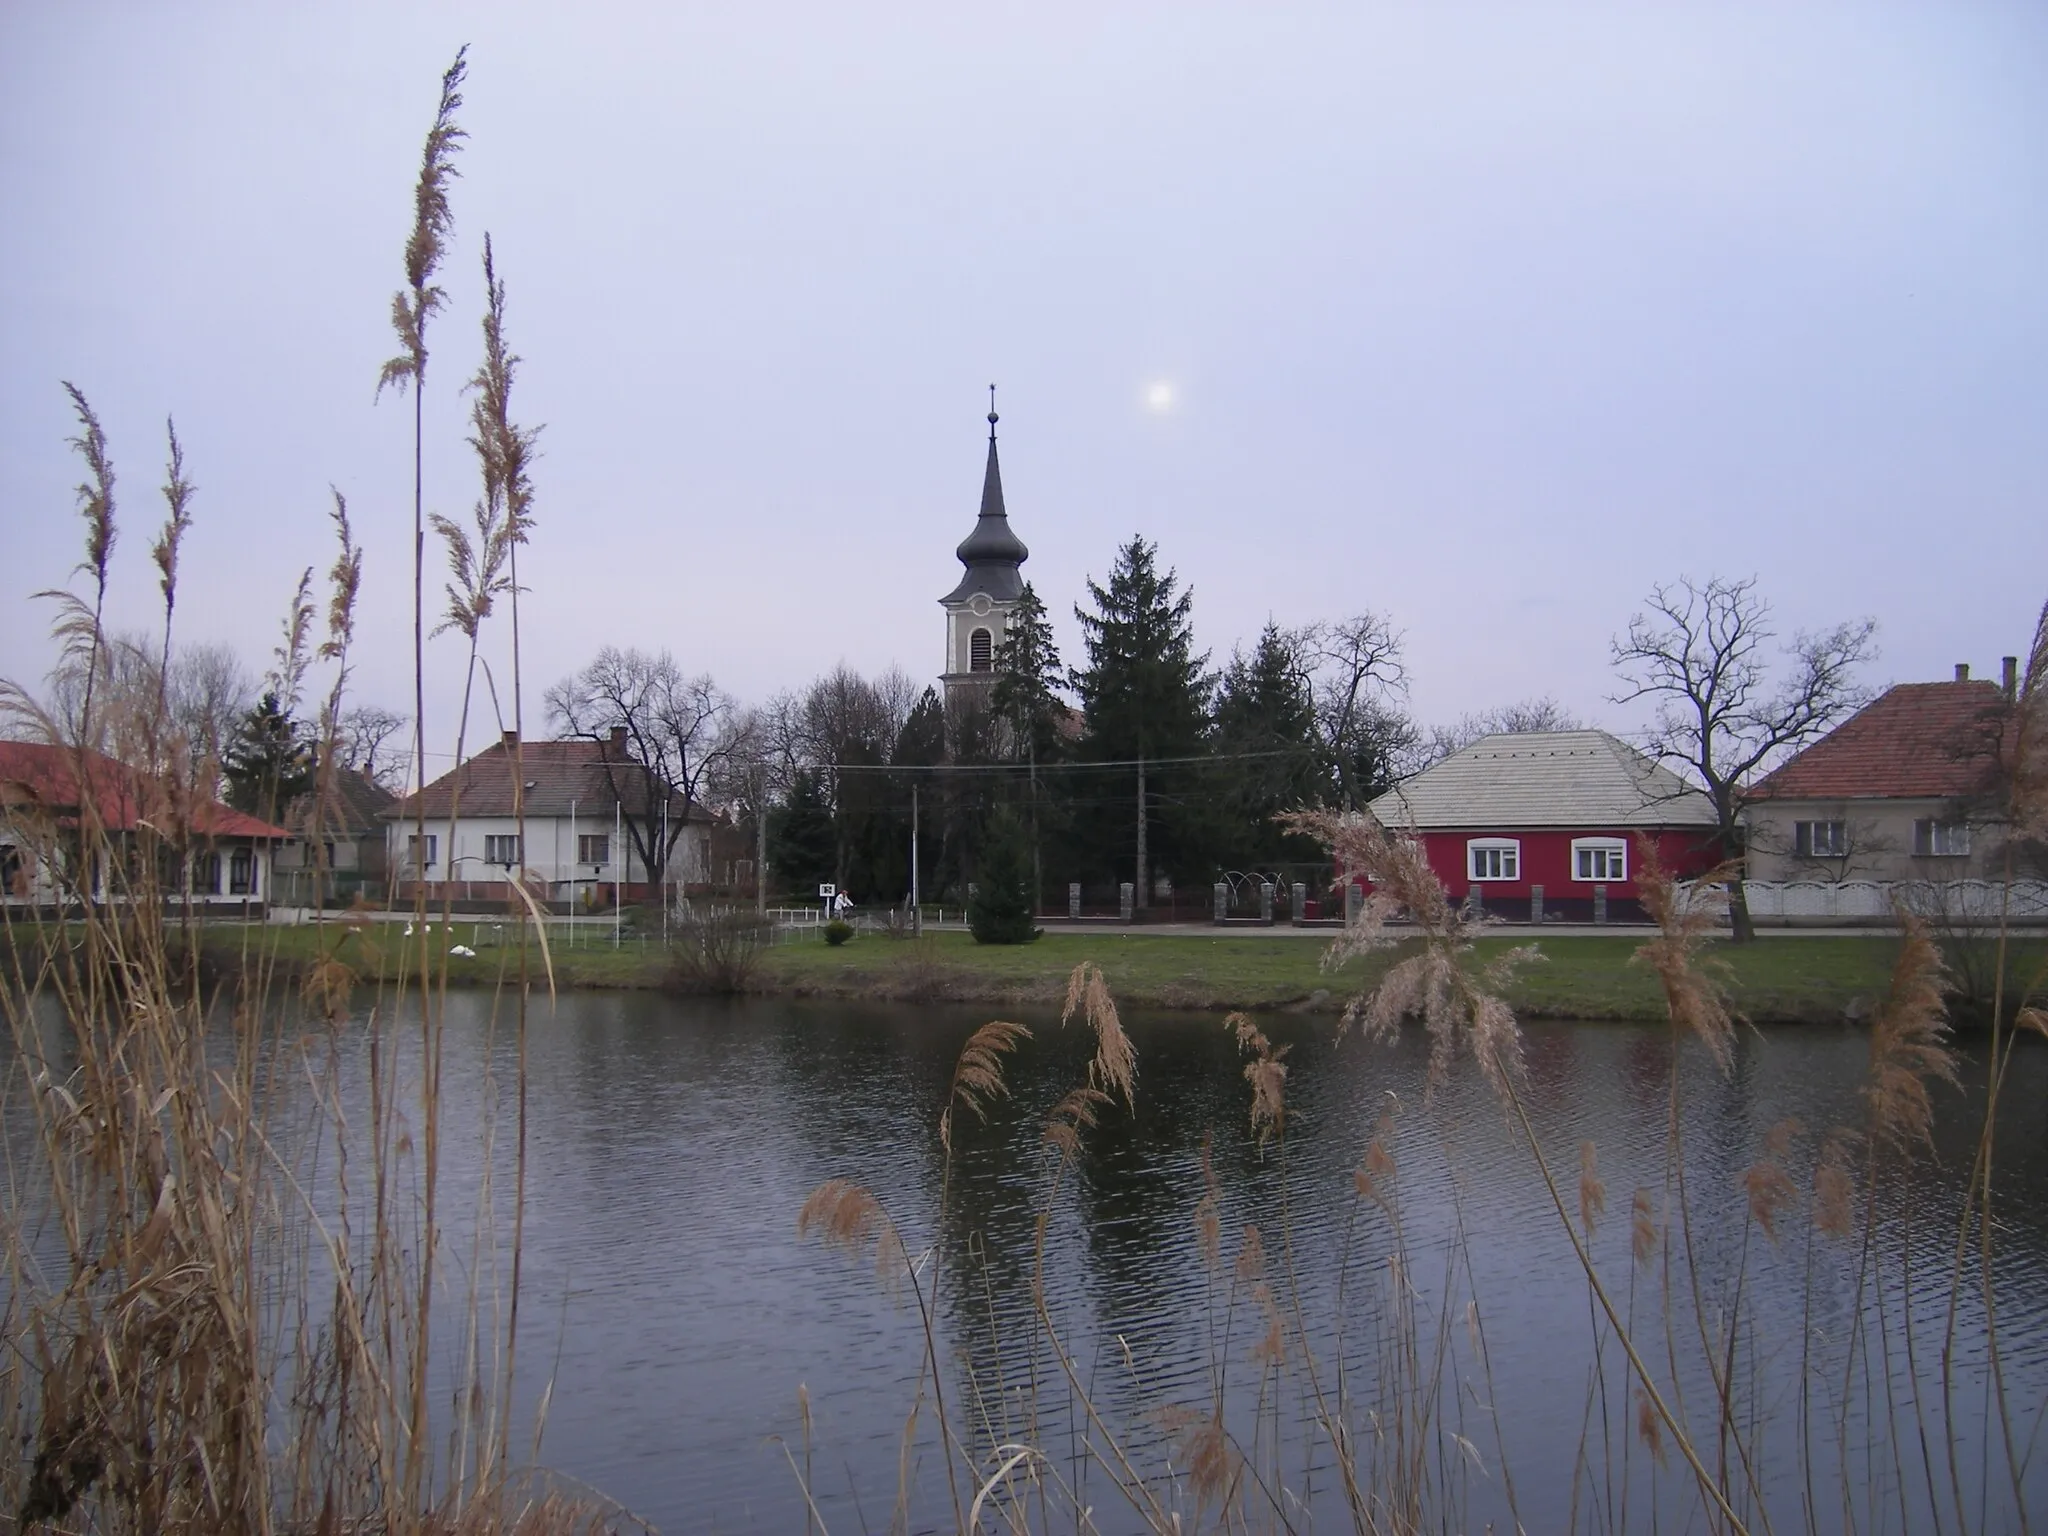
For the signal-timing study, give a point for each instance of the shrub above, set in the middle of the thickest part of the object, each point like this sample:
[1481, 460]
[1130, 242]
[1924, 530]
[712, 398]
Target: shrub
[717, 952]
[838, 931]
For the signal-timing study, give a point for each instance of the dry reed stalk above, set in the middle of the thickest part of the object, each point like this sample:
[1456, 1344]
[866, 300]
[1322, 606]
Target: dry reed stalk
[1592, 1190]
[1267, 1074]
[1909, 1045]
[1114, 1068]
[978, 1074]
[1685, 923]
[1441, 985]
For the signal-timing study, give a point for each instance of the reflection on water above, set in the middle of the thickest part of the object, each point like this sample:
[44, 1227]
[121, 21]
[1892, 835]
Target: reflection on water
[672, 1144]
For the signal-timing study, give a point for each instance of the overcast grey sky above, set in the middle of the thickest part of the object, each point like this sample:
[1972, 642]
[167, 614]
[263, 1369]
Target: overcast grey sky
[1486, 316]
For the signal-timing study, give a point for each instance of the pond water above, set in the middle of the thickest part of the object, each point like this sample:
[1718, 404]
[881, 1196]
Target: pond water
[670, 1300]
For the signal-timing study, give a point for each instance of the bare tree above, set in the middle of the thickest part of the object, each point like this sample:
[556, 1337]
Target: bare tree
[677, 732]
[176, 720]
[368, 740]
[1357, 679]
[1701, 652]
[1540, 714]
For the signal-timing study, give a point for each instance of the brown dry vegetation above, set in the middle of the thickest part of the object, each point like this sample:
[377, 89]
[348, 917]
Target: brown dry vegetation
[223, 1306]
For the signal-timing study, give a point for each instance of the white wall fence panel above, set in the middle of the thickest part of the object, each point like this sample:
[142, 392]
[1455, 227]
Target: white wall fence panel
[1804, 903]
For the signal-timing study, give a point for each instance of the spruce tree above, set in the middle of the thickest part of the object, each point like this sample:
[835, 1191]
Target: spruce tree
[270, 763]
[1267, 750]
[1145, 696]
[1001, 910]
[1028, 681]
[802, 848]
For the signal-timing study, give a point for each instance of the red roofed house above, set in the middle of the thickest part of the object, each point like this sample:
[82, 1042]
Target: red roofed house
[587, 827]
[206, 854]
[1901, 790]
[1542, 824]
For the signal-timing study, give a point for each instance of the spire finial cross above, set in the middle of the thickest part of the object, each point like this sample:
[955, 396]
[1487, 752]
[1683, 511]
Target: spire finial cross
[992, 417]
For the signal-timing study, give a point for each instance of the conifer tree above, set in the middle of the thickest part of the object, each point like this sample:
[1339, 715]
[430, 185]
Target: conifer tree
[1001, 910]
[1267, 751]
[270, 763]
[1145, 699]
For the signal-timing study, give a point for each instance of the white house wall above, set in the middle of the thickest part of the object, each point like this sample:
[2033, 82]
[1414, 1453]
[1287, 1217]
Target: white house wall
[551, 843]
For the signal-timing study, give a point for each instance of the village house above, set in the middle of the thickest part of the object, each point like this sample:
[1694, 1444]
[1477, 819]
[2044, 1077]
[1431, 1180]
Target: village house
[1903, 790]
[1541, 825]
[204, 854]
[350, 857]
[580, 800]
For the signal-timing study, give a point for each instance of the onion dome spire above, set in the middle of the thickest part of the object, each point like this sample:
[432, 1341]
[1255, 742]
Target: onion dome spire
[992, 552]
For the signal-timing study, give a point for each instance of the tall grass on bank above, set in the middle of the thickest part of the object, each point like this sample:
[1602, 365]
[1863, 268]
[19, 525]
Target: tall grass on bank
[216, 1289]
[1701, 1407]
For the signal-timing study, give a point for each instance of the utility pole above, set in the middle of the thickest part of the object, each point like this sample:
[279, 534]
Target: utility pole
[916, 909]
[761, 844]
[1037, 876]
[1139, 894]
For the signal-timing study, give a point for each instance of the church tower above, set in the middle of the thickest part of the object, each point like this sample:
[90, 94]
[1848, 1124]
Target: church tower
[978, 609]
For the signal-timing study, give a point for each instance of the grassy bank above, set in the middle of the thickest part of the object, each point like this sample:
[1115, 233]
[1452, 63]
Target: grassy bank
[1778, 980]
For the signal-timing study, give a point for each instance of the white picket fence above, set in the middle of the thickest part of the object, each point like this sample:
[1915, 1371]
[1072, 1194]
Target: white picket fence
[1857, 902]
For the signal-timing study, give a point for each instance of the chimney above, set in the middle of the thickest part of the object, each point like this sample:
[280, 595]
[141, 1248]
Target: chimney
[619, 737]
[511, 740]
[1962, 671]
[2011, 681]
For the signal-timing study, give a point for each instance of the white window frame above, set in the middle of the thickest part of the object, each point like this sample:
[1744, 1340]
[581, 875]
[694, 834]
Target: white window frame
[501, 849]
[412, 848]
[1612, 853]
[1837, 845]
[1934, 838]
[599, 843]
[1507, 858]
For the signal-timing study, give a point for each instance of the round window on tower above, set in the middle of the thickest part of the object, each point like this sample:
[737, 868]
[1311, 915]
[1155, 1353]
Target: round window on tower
[980, 651]
[980, 604]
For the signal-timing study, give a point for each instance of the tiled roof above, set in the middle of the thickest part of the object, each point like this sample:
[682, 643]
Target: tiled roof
[1915, 741]
[355, 807]
[1545, 779]
[46, 778]
[558, 774]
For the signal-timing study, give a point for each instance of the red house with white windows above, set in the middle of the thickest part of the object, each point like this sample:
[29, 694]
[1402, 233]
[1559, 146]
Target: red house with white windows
[1540, 826]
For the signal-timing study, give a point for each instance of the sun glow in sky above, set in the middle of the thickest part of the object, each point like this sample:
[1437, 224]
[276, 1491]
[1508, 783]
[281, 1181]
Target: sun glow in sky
[1159, 396]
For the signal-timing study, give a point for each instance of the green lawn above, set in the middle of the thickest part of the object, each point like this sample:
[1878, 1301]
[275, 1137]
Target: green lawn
[1777, 979]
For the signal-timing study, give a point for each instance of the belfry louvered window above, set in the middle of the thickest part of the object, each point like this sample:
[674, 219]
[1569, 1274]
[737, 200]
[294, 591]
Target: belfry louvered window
[980, 651]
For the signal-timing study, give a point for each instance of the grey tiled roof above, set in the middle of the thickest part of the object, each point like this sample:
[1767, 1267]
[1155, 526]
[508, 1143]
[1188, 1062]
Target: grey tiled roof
[1545, 779]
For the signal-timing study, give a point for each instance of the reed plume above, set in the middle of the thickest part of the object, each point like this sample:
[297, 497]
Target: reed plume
[1077, 1111]
[178, 492]
[1644, 1236]
[1909, 1044]
[978, 1074]
[1114, 1068]
[1457, 1000]
[1685, 922]
[1267, 1074]
[1592, 1189]
[433, 223]
[848, 1217]
[1209, 1212]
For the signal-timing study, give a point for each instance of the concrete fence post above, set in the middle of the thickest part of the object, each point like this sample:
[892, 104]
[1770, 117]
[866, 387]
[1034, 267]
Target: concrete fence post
[1300, 897]
[1222, 893]
[1124, 901]
[1599, 903]
[1074, 899]
[1354, 898]
[1535, 903]
[1266, 902]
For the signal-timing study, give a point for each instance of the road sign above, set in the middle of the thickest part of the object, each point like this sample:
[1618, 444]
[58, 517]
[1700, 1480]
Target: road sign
[828, 891]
